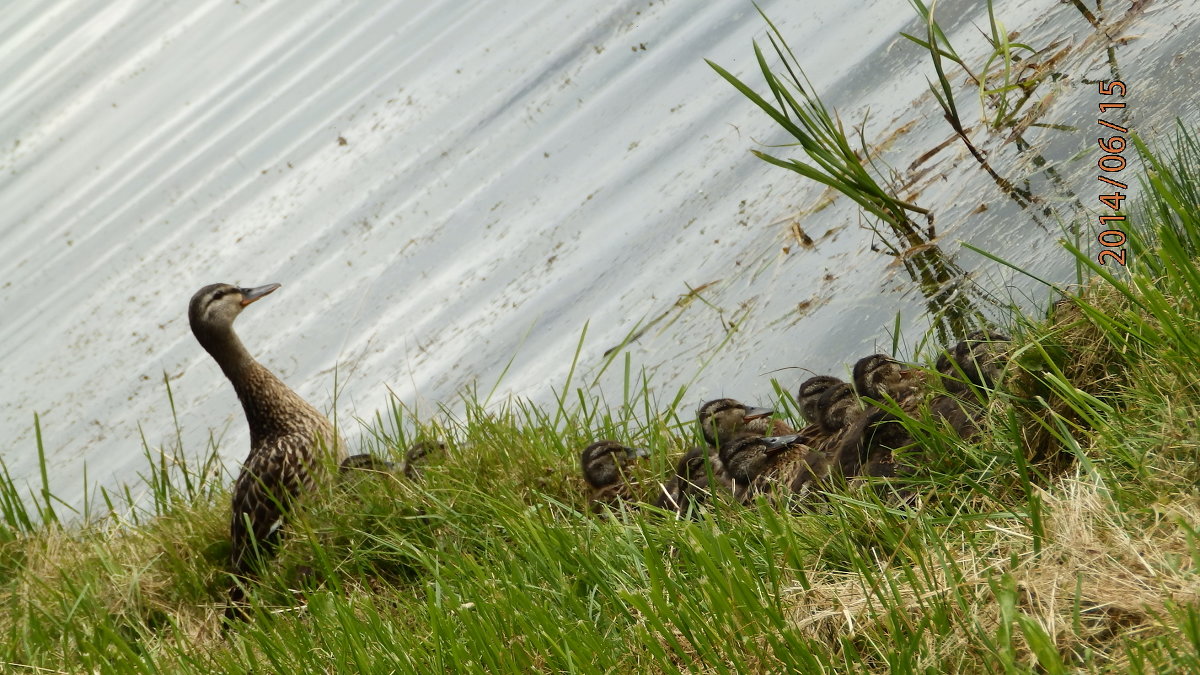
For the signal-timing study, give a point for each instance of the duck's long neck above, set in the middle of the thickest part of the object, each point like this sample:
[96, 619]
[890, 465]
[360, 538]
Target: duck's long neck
[271, 407]
[227, 350]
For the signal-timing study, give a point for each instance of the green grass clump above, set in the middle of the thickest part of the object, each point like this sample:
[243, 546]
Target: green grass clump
[1064, 539]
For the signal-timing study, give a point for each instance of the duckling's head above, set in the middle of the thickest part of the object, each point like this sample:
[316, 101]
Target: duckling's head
[835, 407]
[810, 393]
[724, 418]
[603, 462]
[420, 450]
[214, 307]
[747, 456]
[691, 465]
[365, 462]
[977, 360]
[878, 376]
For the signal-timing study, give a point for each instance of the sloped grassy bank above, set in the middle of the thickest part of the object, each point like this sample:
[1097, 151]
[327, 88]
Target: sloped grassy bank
[1065, 539]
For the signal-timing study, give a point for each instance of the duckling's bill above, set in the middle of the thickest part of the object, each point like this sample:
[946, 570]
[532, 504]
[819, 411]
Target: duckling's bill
[757, 414]
[779, 443]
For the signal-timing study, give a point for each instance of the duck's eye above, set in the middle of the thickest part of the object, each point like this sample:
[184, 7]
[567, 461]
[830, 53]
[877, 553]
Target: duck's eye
[219, 294]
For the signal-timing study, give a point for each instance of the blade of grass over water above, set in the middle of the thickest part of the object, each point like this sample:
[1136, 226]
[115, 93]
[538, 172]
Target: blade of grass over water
[799, 111]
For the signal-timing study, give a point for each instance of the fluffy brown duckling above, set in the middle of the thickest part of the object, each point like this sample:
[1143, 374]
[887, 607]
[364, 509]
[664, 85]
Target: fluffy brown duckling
[287, 435]
[870, 447]
[366, 462]
[689, 488]
[700, 470]
[834, 410]
[416, 455]
[419, 454]
[721, 422]
[876, 432]
[606, 468]
[809, 394]
[750, 458]
[879, 376]
[775, 472]
[969, 372]
[974, 366]
[724, 418]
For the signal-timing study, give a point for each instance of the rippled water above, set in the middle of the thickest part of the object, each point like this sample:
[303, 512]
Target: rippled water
[442, 186]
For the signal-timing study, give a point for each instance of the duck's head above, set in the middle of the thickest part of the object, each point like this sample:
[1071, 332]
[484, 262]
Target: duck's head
[879, 376]
[835, 407]
[214, 307]
[746, 457]
[810, 393]
[724, 418]
[603, 461]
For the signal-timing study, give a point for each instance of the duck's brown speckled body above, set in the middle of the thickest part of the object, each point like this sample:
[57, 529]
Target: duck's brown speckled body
[287, 435]
[975, 365]
[880, 378]
[701, 472]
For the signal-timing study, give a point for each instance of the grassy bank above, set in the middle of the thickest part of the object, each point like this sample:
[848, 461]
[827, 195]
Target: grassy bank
[1065, 539]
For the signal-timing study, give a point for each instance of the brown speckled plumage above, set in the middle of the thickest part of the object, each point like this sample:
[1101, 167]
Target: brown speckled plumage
[700, 471]
[286, 433]
[975, 365]
[724, 418]
[869, 437]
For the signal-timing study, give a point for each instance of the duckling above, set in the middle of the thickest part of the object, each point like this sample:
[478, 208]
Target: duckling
[721, 421]
[287, 435]
[723, 418]
[877, 377]
[775, 472]
[606, 467]
[974, 365]
[748, 458]
[365, 462]
[968, 373]
[837, 407]
[810, 392]
[878, 434]
[689, 487]
[413, 458]
[833, 412]
[419, 453]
